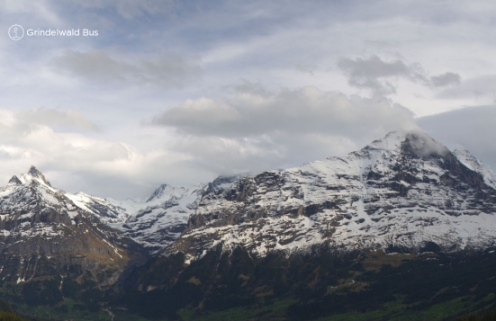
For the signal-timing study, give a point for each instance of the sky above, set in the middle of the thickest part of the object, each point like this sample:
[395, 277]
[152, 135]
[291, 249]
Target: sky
[180, 92]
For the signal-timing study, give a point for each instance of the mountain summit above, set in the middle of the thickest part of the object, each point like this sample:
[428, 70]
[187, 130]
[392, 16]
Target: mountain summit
[34, 174]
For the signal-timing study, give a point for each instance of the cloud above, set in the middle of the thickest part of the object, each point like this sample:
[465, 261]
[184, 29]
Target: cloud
[257, 129]
[251, 155]
[203, 113]
[53, 117]
[29, 133]
[446, 79]
[371, 73]
[74, 161]
[373, 67]
[306, 110]
[381, 77]
[99, 67]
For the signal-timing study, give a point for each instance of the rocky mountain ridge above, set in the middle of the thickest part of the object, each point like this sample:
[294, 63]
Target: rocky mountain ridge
[404, 191]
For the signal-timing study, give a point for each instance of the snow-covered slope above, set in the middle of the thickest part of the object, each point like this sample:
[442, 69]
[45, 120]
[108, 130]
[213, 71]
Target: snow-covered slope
[163, 216]
[154, 223]
[159, 221]
[108, 211]
[404, 190]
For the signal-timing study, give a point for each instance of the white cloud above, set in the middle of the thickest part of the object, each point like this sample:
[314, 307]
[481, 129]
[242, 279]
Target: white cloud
[75, 161]
[54, 117]
[305, 110]
[257, 130]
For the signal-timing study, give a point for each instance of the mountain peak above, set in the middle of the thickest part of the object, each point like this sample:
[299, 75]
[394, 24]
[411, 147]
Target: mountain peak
[415, 142]
[223, 182]
[392, 140]
[420, 144]
[160, 191]
[36, 173]
[33, 171]
[15, 181]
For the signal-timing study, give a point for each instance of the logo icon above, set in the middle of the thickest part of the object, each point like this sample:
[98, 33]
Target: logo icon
[16, 32]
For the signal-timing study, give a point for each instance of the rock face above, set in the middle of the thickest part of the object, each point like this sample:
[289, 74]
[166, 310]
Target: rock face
[404, 191]
[44, 234]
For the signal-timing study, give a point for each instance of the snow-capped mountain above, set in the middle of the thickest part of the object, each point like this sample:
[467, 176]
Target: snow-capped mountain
[44, 233]
[154, 223]
[108, 211]
[163, 216]
[159, 221]
[403, 191]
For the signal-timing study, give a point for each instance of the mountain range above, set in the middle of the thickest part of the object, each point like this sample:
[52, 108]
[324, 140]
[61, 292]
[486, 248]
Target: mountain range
[401, 195]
